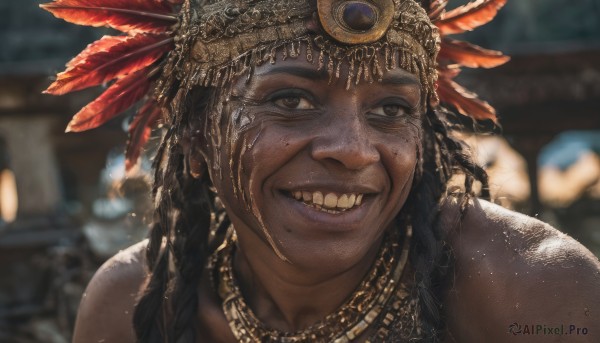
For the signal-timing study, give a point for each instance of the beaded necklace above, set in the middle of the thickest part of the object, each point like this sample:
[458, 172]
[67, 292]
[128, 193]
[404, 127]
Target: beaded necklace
[375, 304]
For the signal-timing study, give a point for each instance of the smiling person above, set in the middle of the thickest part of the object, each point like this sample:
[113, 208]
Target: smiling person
[301, 185]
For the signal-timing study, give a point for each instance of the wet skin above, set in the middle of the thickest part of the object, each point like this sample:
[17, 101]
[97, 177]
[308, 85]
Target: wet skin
[307, 135]
[311, 136]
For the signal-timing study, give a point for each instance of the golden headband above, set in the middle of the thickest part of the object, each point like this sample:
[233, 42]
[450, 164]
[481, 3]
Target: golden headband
[174, 45]
[228, 39]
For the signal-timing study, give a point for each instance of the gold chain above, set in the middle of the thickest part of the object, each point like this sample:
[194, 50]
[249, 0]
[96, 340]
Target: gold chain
[371, 303]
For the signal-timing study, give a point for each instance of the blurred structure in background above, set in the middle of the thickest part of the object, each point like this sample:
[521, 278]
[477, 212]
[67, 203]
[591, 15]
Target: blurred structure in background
[551, 85]
[65, 205]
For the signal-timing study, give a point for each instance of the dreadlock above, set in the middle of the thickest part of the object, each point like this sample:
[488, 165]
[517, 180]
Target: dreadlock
[178, 244]
[179, 236]
[442, 157]
[180, 240]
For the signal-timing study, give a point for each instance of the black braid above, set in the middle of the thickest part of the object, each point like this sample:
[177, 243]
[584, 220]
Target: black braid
[167, 310]
[179, 235]
[187, 234]
[442, 157]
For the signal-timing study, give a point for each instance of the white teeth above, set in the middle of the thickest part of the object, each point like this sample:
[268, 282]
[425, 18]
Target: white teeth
[331, 200]
[329, 203]
[317, 198]
[342, 202]
[351, 200]
[306, 196]
[359, 199]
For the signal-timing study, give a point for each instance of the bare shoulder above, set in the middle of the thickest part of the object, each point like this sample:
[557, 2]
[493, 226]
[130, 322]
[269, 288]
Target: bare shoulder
[518, 279]
[106, 310]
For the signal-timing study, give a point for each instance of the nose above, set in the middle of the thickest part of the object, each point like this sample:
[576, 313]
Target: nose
[347, 141]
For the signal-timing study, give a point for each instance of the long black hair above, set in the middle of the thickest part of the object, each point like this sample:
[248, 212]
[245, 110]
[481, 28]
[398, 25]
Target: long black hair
[188, 225]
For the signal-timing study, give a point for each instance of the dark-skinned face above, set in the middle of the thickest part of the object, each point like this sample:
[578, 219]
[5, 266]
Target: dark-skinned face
[311, 171]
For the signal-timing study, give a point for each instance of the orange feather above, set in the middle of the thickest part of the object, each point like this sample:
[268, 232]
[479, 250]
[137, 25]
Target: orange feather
[139, 131]
[110, 58]
[466, 102]
[436, 9]
[117, 98]
[131, 16]
[470, 55]
[469, 16]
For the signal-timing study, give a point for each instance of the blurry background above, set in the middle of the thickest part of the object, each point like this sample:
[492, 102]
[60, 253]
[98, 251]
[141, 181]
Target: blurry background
[65, 205]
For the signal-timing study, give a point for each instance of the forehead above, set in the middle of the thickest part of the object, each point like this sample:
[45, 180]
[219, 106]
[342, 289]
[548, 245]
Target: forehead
[345, 74]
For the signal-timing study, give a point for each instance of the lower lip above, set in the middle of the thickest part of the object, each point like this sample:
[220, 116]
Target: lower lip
[317, 220]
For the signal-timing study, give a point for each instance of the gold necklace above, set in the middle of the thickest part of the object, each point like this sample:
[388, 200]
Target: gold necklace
[371, 303]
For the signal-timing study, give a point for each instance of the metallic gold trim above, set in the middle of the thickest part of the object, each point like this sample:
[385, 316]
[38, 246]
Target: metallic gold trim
[331, 20]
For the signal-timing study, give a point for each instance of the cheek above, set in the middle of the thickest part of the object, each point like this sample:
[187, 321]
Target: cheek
[402, 152]
[232, 134]
[400, 157]
[271, 149]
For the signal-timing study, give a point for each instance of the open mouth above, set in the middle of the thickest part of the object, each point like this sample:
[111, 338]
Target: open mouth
[330, 202]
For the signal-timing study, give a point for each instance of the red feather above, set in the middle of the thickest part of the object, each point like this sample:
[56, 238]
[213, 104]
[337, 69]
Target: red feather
[109, 59]
[117, 98]
[100, 45]
[131, 16]
[469, 16]
[436, 9]
[470, 55]
[139, 132]
[466, 102]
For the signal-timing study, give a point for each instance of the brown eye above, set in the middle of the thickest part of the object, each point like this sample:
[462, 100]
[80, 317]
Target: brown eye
[294, 103]
[290, 102]
[391, 110]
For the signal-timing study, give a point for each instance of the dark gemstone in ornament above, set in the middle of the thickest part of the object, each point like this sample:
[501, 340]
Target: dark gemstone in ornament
[358, 16]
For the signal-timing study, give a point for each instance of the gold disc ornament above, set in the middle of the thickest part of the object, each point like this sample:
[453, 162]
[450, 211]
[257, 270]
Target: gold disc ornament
[356, 21]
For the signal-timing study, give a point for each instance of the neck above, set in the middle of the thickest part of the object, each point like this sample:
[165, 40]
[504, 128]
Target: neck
[289, 298]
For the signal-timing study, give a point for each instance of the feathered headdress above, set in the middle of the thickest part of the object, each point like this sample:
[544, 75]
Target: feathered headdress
[454, 54]
[153, 29]
[133, 60]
